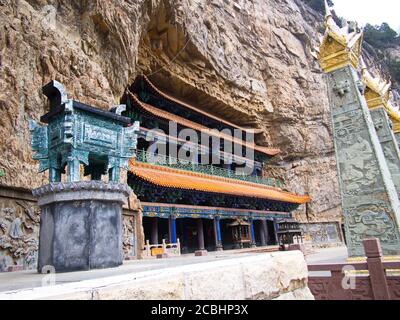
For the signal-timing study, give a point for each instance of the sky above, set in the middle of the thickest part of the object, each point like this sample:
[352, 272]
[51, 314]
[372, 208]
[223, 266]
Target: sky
[372, 11]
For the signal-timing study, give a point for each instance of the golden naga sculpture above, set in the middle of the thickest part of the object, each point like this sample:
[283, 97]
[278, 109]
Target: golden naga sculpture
[378, 94]
[339, 46]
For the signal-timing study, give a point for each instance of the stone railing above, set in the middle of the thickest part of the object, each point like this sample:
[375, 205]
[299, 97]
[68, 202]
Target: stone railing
[372, 279]
[164, 249]
[147, 157]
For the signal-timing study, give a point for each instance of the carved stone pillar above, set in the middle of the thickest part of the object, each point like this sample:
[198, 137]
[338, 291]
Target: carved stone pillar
[397, 135]
[388, 142]
[377, 94]
[396, 130]
[370, 204]
[369, 199]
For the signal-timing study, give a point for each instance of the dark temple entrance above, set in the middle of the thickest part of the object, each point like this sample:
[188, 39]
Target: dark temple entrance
[188, 234]
[209, 234]
[155, 229]
[186, 230]
[226, 234]
[271, 238]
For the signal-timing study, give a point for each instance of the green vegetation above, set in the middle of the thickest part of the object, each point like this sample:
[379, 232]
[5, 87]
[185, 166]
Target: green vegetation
[318, 5]
[380, 37]
[394, 68]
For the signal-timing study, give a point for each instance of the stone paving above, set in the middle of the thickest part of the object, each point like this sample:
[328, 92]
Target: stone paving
[29, 279]
[328, 255]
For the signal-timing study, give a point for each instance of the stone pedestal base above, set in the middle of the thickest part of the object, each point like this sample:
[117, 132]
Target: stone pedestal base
[200, 253]
[81, 225]
[219, 248]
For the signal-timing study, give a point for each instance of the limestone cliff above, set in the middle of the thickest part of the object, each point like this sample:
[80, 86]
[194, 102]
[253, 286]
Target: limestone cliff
[249, 61]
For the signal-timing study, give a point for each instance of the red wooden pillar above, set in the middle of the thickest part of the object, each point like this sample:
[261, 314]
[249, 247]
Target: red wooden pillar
[377, 274]
[200, 234]
[154, 230]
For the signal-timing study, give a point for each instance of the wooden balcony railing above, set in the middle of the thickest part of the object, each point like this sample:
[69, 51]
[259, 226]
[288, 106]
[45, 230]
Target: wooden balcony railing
[147, 157]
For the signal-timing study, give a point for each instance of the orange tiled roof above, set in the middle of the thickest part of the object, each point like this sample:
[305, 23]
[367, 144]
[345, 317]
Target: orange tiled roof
[193, 125]
[174, 178]
[188, 106]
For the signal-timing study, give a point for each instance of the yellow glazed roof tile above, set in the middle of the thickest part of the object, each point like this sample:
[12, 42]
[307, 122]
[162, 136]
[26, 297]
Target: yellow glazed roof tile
[174, 178]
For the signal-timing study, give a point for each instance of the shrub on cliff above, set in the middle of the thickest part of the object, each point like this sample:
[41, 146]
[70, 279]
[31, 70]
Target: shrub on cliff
[394, 68]
[318, 5]
[380, 37]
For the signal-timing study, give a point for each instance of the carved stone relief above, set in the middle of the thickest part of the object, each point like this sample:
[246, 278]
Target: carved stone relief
[19, 232]
[129, 236]
[371, 221]
[322, 233]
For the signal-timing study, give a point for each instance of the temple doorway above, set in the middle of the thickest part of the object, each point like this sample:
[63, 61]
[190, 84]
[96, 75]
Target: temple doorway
[226, 234]
[261, 233]
[187, 233]
[147, 224]
[271, 233]
[258, 233]
[209, 234]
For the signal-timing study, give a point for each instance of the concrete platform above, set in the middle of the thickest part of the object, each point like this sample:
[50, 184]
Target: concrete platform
[30, 279]
[276, 275]
[328, 255]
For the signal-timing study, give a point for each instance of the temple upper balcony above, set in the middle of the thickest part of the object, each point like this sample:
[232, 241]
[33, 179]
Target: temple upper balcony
[215, 146]
[224, 157]
[194, 166]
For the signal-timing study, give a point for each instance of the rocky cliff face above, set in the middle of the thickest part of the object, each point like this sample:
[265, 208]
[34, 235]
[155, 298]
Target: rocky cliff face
[249, 61]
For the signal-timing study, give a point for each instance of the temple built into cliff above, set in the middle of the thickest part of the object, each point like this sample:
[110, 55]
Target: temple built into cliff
[201, 176]
[197, 200]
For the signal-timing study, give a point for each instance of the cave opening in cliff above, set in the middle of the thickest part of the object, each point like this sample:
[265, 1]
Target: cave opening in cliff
[168, 57]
